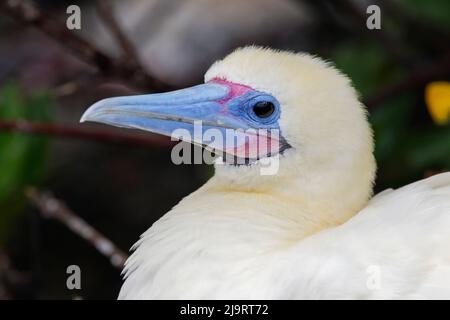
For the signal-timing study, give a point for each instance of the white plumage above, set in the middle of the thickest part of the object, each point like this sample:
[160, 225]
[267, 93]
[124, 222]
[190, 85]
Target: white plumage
[310, 231]
[401, 239]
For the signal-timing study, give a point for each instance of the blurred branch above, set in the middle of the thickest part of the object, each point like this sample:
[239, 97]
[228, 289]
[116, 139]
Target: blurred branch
[107, 15]
[91, 134]
[52, 208]
[416, 79]
[10, 279]
[29, 14]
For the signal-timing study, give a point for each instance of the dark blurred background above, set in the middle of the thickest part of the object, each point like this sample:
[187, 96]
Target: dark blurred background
[121, 182]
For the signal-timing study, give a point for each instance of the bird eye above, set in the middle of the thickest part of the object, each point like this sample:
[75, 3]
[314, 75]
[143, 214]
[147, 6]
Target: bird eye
[263, 109]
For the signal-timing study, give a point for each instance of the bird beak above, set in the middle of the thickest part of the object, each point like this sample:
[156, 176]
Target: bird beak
[185, 114]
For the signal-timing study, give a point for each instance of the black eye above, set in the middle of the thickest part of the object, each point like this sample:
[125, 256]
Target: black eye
[263, 109]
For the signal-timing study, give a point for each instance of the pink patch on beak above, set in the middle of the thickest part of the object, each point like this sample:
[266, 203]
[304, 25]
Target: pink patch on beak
[236, 89]
[256, 146]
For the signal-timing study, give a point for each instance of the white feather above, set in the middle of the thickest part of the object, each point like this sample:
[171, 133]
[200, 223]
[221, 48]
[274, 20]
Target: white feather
[198, 253]
[310, 231]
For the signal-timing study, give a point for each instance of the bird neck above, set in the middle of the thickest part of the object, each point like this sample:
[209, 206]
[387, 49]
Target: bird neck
[282, 215]
[304, 197]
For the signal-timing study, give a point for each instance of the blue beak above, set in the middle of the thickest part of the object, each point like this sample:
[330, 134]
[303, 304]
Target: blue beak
[187, 115]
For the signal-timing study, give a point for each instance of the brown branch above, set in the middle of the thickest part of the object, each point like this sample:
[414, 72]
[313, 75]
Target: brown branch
[107, 15]
[52, 208]
[418, 78]
[92, 134]
[10, 279]
[29, 14]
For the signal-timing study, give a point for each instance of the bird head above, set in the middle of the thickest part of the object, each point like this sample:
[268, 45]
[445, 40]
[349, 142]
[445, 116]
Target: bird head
[291, 107]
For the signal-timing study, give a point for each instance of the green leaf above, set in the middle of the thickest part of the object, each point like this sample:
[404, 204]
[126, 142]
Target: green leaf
[366, 63]
[436, 11]
[22, 156]
[429, 149]
[390, 125]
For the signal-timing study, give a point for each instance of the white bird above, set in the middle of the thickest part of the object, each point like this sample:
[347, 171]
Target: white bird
[310, 231]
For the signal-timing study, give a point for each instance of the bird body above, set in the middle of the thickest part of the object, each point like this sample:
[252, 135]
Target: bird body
[399, 241]
[310, 230]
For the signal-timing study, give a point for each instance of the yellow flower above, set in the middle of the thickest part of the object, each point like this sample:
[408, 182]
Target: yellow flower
[437, 98]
